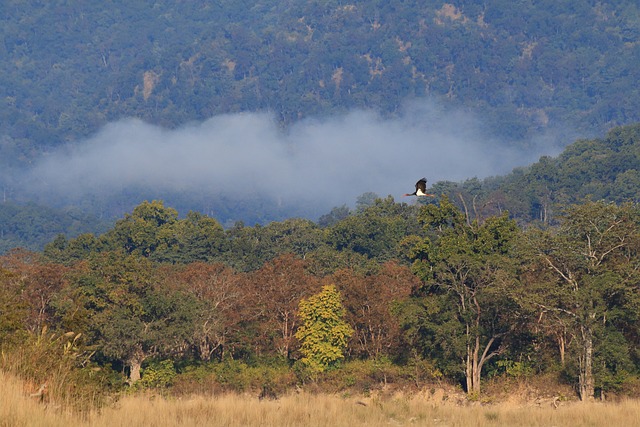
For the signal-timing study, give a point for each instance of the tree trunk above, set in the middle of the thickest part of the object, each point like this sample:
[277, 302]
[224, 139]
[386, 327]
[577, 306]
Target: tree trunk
[134, 371]
[288, 327]
[473, 372]
[561, 348]
[475, 368]
[469, 365]
[586, 382]
[473, 377]
[469, 373]
[135, 364]
[475, 362]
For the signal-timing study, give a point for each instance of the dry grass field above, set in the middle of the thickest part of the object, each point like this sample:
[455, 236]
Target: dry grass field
[18, 408]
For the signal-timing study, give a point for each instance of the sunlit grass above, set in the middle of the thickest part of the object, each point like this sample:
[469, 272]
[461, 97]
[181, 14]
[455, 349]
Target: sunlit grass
[306, 409]
[18, 409]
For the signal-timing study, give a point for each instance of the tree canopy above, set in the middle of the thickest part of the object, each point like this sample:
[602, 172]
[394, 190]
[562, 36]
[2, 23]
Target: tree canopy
[434, 285]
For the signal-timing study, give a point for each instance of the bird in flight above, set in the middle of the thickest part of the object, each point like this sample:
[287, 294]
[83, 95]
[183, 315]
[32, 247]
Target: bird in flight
[421, 189]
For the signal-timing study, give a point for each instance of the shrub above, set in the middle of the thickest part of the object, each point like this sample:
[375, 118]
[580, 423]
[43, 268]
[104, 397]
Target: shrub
[158, 374]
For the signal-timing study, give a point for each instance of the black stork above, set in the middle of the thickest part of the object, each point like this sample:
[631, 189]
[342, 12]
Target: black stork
[421, 189]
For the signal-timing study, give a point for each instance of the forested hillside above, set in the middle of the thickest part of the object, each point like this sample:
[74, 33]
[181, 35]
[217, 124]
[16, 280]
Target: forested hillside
[525, 70]
[600, 169]
[68, 68]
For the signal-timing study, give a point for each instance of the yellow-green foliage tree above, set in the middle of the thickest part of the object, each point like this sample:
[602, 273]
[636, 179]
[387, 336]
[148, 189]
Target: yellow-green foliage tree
[323, 333]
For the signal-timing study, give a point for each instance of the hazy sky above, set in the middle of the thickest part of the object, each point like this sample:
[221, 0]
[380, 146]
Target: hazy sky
[330, 161]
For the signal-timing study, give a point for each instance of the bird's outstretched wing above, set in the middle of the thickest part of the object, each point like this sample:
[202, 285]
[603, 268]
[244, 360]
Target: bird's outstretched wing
[421, 189]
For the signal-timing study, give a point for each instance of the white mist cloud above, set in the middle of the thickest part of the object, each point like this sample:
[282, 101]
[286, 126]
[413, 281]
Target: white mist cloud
[326, 161]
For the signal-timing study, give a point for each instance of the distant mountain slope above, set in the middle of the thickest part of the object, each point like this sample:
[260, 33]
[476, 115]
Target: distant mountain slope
[67, 68]
[32, 226]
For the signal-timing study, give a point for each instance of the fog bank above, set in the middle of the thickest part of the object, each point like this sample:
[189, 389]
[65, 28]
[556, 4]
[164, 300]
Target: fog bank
[325, 162]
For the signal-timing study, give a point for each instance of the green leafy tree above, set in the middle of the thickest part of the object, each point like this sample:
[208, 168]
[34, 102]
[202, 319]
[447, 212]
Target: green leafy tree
[248, 248]
[151, 230]
[142, 231]
[465, 312]
[376, 230]
[158, 375]
[64, 251]
[336, 214]
[323, 332]
[115, 299]
[244, 247]
[327, 260]
[197, 237]
[588, 274]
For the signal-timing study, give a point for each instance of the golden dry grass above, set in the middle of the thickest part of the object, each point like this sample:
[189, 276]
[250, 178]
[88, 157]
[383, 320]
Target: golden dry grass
[304, 409]
[18, 409]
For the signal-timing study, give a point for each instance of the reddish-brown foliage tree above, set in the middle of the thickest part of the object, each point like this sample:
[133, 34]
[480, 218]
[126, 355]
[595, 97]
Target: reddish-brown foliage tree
[39, 282]
[219, 289]
[275, 291]
[369, 301]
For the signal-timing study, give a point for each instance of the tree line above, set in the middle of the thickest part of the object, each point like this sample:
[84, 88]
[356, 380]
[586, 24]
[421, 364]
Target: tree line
[472, 297]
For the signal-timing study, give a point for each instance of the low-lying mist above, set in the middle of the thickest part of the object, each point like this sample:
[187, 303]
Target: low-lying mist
[308, 168]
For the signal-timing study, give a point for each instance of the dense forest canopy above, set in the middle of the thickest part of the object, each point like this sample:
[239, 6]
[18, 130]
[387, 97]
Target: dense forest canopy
[201, 189]
[416, 293]
[524, 71]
